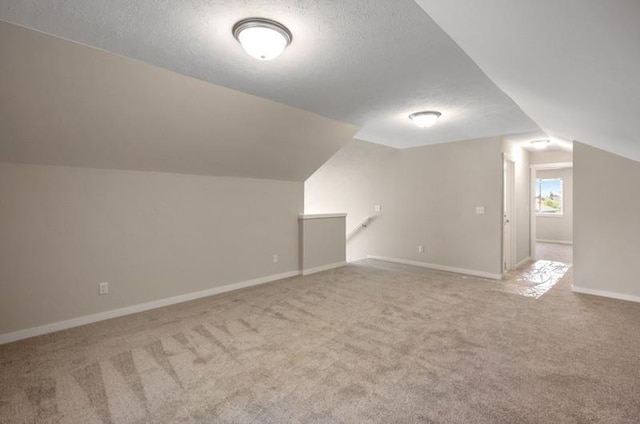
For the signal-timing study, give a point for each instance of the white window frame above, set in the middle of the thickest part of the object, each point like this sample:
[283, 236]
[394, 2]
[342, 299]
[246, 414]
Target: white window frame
[561, 194]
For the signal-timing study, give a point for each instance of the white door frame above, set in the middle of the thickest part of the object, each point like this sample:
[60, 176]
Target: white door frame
[508, 212]
[534, 169]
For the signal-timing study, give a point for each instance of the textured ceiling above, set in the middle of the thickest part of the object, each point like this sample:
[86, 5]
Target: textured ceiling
[368, 63]
[573, 65]
[62, 103]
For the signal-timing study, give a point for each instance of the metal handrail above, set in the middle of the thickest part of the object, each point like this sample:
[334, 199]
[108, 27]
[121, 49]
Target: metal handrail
[361, 226]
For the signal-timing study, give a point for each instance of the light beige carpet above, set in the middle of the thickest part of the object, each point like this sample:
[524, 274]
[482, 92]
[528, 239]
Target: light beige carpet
[370, 342]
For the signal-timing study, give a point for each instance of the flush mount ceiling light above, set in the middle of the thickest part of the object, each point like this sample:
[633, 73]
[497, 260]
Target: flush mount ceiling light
[539, 144]
[262, 38]
[425, 119]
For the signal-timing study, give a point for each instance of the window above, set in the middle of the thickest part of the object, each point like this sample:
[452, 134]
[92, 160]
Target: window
[549, 196]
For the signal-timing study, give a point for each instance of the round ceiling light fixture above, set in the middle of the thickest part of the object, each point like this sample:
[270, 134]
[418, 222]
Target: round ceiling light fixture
[425, 119]
[540, 144]
[262, 38]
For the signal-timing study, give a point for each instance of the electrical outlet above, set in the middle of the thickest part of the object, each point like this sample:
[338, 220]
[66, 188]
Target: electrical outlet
[275, 259]
[377, 208]
[103, 288]
[480, 210]
[420, 249]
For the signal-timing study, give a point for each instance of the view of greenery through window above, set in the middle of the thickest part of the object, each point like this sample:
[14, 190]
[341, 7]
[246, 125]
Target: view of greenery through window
[549, 196]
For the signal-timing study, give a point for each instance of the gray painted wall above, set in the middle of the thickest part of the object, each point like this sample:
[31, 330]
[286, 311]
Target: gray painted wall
[67, 104]
[150, 235]
[322, 242]
[428, 196]
[351, 182]
[606, 223]
[558, 228]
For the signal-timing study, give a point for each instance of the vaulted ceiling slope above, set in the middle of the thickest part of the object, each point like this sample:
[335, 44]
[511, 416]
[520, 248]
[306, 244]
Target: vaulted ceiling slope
[368, 63]
[573, 65]
[63, 103]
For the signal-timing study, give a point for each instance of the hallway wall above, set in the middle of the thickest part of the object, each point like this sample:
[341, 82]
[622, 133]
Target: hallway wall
[428, 197]
[558, 229]
[606, 224]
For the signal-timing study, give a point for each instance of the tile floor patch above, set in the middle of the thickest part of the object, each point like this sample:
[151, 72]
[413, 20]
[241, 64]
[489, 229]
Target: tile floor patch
[534, 280]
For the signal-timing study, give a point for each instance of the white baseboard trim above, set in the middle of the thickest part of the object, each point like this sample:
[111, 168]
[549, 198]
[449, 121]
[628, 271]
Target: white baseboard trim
[359, 258]
[554, 241]
[439, 267]
[323, 268]
[603, 293]
[522, 262]
[114, 313]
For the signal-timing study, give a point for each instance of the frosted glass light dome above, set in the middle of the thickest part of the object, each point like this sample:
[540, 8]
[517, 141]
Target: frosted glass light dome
[262, 38]
[425, 119]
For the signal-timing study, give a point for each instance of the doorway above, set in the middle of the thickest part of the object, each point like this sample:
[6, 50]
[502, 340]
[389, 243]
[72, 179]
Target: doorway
[508, 214]
[552, 212]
